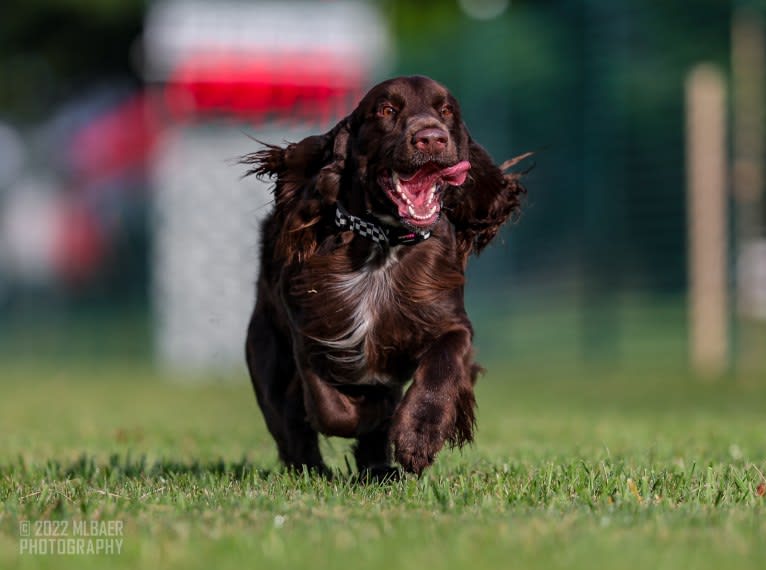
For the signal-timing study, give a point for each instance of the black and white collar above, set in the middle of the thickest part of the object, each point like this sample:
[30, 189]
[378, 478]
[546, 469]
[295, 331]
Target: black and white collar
[385, 235]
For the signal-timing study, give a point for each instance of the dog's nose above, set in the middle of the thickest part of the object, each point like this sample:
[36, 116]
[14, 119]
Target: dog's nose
[431, 140]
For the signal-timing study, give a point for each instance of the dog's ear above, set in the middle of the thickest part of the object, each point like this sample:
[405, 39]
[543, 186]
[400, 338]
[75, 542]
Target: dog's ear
[296, 165]
[308, 175]
[485, 201]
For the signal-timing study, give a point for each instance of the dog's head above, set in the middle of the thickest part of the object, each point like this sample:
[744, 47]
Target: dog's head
[402, 156]
[410, 144]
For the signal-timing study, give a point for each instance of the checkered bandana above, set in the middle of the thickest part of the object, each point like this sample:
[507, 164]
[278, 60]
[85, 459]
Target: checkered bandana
[382, 235]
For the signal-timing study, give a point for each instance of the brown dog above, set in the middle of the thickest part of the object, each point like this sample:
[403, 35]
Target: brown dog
[361, 280]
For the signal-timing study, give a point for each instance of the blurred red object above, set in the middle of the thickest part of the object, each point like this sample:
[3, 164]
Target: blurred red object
[81, 245]
[300, 87]
[315, 88]
[118, 141]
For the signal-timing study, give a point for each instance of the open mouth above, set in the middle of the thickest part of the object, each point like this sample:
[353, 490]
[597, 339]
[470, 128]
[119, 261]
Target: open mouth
[417, 196]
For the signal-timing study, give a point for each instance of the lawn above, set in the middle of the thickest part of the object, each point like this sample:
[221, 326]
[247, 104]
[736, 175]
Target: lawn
[572, 468]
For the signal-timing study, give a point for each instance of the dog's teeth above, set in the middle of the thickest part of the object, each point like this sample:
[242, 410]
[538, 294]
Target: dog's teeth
[431, 194]
[430, 213]
[430, 198]
[398, 189]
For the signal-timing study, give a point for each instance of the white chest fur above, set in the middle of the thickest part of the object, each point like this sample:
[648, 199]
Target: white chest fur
[364, 293]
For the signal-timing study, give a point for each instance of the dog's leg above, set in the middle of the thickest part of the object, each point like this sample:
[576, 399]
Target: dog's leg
[373, 456]
[302, 447]
[366, 416]
[439, 406]
[279, 393]
[372, 451]
[333, 412]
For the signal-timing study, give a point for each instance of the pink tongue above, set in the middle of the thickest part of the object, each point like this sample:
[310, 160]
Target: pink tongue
[430, 173]
[456, 174]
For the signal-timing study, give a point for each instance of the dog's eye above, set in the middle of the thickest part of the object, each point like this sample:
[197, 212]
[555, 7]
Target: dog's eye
[446, 111]
[387, 111]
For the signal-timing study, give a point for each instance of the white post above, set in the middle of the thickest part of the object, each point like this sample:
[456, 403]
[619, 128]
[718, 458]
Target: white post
[707, 214]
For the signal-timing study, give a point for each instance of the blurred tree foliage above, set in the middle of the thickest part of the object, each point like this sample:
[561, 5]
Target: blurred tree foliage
[51, 48]
[597, 87]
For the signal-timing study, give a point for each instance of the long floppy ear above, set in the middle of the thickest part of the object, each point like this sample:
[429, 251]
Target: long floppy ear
[295, 165]
[487, 199]
[308, 175]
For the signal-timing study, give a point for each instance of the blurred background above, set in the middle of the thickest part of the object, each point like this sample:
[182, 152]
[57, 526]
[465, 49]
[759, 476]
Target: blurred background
[127, 232]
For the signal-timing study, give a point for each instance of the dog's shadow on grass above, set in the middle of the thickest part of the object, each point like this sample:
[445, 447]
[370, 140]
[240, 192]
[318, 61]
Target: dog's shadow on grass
[125, 467]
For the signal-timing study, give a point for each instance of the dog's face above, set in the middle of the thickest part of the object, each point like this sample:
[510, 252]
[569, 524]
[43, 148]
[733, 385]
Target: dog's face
[408, 137]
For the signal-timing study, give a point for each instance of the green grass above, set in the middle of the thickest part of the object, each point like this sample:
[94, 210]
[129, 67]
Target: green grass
[646, 468]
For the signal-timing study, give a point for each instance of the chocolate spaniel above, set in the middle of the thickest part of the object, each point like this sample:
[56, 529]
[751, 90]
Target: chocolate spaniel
[361, 279]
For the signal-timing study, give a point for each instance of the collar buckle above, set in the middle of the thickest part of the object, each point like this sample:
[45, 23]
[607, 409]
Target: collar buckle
[406, 237]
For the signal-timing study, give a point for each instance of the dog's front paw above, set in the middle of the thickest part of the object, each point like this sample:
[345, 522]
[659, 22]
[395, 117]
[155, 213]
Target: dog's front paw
[416, 446]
